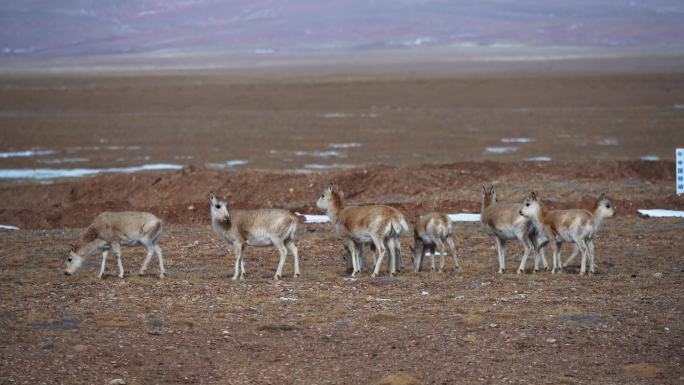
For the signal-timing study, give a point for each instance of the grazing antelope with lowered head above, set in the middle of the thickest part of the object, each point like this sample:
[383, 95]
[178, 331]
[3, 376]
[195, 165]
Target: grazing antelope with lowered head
[261, 227]
[572, 226]
[355, 225]
[603, 208]
[109, 231]
[502, 221]
[432, 231]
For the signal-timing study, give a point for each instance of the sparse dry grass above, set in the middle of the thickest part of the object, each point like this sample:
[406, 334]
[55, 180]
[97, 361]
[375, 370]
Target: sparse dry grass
[400, 379]
[336, 323]
[644, 370]
[471, 320]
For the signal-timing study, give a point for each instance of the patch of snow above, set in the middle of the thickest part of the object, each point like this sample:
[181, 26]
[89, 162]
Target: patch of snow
[315, 166]
[52, 173]
[660, 213]
[64, 160]
[228, 164]
[291, 299]
[461, 217]
[539, 159]
[417, 41]
[311, 218]
[651, 158]
[337, 115]
[322, 154]
[342, 115]
[678, 106]
[264, 51]
[8, 227]
[501, 150]
[464, 217]
[345, 145]
[518, 140]
[608, 142]
[27, 153]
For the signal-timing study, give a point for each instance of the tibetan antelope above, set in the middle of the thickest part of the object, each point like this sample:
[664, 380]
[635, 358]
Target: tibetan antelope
[603, 208]
[109, 231]
[502, 222]
[571, 226]
[356, 225]
[261, 227]
[432, 231]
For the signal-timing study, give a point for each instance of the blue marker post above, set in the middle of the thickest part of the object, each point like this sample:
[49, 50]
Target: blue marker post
[679, 165]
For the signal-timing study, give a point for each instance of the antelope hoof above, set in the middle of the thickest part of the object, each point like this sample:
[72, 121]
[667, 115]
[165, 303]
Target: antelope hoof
[121, 275]
[520, 271]
[373, 275]
[161, 275]
[98, 276]
[535, 271]
[501, 271]
[276, 277]
[296, 275]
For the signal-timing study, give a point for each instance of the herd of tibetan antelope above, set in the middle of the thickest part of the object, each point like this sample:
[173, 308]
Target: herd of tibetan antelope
[529, 221]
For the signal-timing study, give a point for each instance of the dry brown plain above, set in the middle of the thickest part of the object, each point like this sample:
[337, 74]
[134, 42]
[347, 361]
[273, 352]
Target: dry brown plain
[423, 144]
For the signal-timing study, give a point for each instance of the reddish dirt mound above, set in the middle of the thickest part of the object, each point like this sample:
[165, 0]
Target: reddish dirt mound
[181, 197]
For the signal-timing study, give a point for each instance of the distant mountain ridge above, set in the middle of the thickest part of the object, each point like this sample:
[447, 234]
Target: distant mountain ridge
[64, 28]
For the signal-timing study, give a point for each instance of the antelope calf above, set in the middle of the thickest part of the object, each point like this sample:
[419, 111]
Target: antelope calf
[356, 225]
[603, 208]
[261, 227]
[109, 231]
[572, 226]
[502, 222]
[432, 231]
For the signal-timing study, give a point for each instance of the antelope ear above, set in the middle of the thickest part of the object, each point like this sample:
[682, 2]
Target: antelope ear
[225, 198]
[330, 187]
[484, 190]
[212, 196]
[602, 196]
[533, 196]
[72, 247]
[492, 190]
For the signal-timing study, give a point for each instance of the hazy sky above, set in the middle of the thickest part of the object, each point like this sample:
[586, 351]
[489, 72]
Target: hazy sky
[85, 27]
